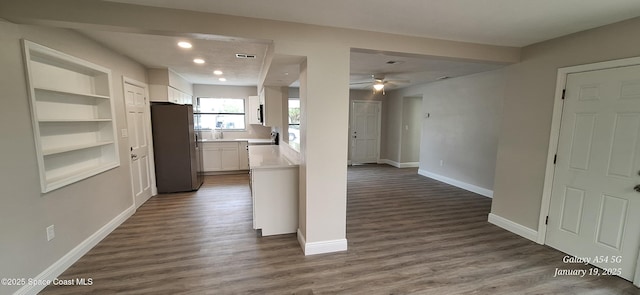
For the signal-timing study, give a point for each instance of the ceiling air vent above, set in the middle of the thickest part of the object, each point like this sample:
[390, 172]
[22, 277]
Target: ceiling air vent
[244, 55]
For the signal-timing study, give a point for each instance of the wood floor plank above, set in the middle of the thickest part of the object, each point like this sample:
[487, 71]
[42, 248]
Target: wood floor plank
[407, 235]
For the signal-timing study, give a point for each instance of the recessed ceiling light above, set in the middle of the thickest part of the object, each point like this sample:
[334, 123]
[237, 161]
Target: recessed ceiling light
[217, 72]
[184, 44]
[222, 79]
[198, 60]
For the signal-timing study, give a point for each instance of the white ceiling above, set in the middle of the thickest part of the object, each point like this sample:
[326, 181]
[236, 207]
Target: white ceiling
[154, 51]
[499, 22]
[416, 69]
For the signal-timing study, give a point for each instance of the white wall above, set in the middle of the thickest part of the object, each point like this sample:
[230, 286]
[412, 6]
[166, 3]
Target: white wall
[77, 210]
[528, 107]
[462, 128]
[252, 131]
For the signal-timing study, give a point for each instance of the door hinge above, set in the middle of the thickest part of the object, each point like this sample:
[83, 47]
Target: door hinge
[546, 221]
[564, 91]
[555, 158]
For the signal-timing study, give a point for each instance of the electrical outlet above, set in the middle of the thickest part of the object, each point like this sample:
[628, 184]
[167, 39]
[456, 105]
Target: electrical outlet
[441, 163]
[51, 233]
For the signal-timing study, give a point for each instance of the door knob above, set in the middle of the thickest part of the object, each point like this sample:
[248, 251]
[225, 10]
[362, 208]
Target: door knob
[134, 156]
[637, 188]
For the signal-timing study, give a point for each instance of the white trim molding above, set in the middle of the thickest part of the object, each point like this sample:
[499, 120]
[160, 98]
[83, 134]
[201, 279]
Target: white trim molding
[513, 227]
[636, 279]
[554, 137]
[76, 253]
[457, 183]
[321, 247]
[398, 164]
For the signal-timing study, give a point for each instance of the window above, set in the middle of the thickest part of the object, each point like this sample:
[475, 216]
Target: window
[220, 113]
[294, 120]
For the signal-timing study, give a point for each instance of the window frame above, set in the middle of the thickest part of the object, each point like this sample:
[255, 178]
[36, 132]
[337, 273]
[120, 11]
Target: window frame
[244, 113]
[297, 139]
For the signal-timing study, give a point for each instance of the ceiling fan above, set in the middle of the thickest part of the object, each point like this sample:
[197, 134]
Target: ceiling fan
[379, 81]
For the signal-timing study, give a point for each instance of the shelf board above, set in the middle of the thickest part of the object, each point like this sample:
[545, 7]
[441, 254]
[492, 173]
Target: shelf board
[72, 120]
[78, 174]
[53, 151]
[87, 95]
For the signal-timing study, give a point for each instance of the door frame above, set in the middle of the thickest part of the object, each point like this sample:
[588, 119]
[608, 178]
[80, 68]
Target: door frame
[554, 138]
[351, 117]
[152, 169]
[401, 142]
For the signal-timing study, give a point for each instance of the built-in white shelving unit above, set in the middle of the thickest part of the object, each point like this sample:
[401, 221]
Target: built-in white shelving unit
[73, 116]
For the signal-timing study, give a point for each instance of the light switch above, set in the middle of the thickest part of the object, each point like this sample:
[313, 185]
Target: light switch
[125, 133]
[51, 233]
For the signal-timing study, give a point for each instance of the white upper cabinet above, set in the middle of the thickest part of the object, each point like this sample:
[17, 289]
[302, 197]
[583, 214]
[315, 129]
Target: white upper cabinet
[162, 93]
[73, 116]
[254, 109]
[168, 86]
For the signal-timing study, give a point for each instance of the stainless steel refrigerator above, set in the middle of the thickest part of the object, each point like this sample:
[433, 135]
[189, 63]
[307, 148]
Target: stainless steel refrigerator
[177, 152]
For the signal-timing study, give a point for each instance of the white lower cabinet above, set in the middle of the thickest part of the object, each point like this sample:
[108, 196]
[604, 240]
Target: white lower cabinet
[230, 158]
[275, 200]
[224, 156]
[243, 155]
[211, 157]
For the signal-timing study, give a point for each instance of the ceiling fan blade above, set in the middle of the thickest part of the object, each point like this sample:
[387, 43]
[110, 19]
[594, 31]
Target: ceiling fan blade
[396, 81]
[360, 83]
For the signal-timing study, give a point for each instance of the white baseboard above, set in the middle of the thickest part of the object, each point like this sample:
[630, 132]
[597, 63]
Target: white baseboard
[513, 227]
[398, 164]
[463, 185]
[76, 253]
[321, 247]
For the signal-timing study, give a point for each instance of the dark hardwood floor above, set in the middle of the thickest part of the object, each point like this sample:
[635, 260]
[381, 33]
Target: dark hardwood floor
[407, 234]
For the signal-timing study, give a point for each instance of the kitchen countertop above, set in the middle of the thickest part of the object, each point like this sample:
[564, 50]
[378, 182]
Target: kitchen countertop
[249, 140]
[272, 156]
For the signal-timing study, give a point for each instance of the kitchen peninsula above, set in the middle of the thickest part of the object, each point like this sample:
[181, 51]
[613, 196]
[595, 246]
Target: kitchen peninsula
[274, 188]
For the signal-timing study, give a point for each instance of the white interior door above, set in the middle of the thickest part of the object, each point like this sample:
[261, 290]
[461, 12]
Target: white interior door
[137, 106]
[595, 211]
[365, 131]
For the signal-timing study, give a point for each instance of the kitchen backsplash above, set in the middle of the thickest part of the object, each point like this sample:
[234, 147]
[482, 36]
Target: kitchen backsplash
[252, 131]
